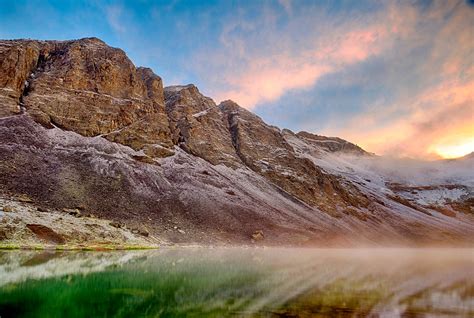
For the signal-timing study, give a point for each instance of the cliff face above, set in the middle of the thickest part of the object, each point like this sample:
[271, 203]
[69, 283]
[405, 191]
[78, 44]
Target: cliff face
[198, 126]
[81, 126]
[264, 149]
[87, 87]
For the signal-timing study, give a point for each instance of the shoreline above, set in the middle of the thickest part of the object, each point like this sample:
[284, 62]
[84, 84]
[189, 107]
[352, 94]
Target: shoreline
[39, 247]
[112, 247]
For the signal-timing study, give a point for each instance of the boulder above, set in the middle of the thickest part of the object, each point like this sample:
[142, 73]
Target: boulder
[143, 232]
[258, 235]
[73, 212]
[45, 233]
[25, 199]
[115, 224]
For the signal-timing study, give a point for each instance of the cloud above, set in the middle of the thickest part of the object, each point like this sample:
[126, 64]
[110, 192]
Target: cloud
[114, 15]
[437, 117]
[264, 82]
[268, 78]
[287, 6]
[260, 61]
[426, 82]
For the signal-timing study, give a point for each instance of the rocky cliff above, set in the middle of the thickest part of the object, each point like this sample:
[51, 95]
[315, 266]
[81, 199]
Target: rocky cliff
[82, 129]
[87, 87]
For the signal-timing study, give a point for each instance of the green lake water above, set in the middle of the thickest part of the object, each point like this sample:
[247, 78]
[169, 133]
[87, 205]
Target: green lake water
[238, 282]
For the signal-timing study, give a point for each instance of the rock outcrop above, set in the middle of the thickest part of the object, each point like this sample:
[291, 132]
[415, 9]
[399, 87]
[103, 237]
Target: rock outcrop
[18, 60]
[87, 87]
[199, 126]
[331, 144]
[264, 149]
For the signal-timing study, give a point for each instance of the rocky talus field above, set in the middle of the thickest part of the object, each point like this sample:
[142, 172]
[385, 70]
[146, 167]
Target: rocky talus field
[96, 152]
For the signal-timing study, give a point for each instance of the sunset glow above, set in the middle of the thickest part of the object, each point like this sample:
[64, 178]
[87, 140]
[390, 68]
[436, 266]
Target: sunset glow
[456, 150]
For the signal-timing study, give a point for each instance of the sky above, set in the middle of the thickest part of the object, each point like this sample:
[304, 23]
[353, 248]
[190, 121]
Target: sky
[395, 77]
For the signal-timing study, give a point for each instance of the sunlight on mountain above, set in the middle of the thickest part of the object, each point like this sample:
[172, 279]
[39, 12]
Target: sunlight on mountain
[455, 150]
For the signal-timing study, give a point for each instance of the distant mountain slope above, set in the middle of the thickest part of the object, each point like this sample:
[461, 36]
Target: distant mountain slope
[82, 127]
[330, 144]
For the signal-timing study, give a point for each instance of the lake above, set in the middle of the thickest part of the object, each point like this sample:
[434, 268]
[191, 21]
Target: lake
[238, 282]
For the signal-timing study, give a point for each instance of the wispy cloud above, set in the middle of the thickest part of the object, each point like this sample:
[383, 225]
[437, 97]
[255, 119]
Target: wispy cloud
[114, 15]
[428, 121]
[437, 117]
[259, 62]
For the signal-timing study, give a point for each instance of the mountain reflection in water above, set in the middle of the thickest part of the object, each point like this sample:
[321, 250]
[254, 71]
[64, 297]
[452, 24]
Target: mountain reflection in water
[238, 282]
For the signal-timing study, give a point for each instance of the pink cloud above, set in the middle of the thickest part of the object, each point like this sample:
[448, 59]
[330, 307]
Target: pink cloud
[352, 47]
[267, 78]
[439, 116]
[261, 63]
[264, 82]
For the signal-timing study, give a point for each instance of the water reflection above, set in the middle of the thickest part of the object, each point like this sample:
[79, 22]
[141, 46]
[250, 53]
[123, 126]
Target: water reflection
[238, 282]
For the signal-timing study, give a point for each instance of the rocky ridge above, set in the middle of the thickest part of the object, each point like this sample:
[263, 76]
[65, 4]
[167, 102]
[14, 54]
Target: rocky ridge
[81, 125]
[87, 87]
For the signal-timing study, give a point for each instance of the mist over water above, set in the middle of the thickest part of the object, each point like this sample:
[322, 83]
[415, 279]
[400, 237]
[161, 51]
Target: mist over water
[238, 282]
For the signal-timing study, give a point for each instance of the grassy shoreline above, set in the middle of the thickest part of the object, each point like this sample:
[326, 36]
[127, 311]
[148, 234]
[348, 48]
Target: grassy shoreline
[93, 247]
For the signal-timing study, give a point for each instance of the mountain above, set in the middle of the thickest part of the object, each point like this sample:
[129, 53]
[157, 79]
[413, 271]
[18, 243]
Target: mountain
[95, 151]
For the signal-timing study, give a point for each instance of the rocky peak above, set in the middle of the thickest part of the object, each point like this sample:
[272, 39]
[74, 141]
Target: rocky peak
[92, 40]
[197, 125]
[178, 88]
[85, 86]
[154, 85]
[230, 106]
[187, 96]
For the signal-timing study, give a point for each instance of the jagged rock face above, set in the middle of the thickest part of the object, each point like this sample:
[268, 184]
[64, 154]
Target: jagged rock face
[331, 144]
[150, 133]
[198, 126]
[17, 60]
[231, 135]
[90, 88]
[264, 149]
